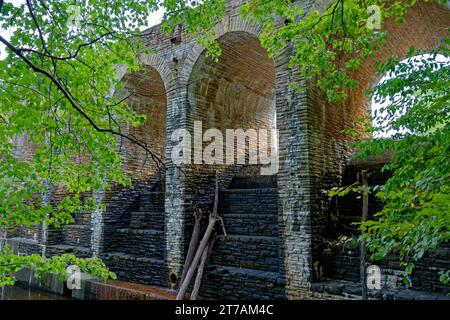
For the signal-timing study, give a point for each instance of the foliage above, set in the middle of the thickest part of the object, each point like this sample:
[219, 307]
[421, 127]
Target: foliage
[416, 214]
[56, 99]
[328, 42]
[60, 126]
[57, 265]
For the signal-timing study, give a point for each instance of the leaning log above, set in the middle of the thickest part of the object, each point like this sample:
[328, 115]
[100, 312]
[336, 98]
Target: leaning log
[184, 286]
[201, 268]
[193, 244]
[201, 247]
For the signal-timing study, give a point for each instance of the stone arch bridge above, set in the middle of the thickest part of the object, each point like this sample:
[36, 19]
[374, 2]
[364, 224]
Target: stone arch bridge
[276, 223]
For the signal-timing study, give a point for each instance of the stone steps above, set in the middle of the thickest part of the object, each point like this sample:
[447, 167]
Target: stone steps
[253, 182]
[249, 201]
[147, 220]
[225, 282]
[147, 243]
[134, 268]
[82, 252]
[29, 232]
[353, 290]
[25, 246]
[152, 201]
[83, 218]
[136, 251]
[253, 252]
[245, 265]
[251, 224]
[77, 235]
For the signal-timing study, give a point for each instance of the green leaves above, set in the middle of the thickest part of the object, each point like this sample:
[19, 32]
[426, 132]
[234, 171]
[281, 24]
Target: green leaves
[416, 214]
[11, 263]
[49, 134]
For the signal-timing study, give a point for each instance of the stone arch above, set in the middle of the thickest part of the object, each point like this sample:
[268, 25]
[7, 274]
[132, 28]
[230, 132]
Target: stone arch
[228, 25]
[156, 62]
[243, 75]
[235, 92]
[425, 26]
[145, 92]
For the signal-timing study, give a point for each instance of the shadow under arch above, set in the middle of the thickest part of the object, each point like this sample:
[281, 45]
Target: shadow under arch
[236, 92]
[134, 242]
[145, 92]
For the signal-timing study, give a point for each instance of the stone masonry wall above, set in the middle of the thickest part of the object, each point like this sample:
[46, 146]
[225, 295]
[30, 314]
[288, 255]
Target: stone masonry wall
[274, 256]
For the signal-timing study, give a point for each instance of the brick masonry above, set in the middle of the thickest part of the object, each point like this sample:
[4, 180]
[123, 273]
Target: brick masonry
[276, 224]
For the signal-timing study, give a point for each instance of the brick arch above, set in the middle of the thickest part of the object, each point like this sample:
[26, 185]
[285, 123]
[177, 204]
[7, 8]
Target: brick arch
[238, 90]
[148, 97]
[161, 65]
[425, 26]
[153, 61]
[228, 25]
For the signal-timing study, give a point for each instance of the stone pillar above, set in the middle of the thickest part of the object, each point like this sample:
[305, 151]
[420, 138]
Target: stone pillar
[46, 200]
[175, 184]
[293, 181]
[97, 223]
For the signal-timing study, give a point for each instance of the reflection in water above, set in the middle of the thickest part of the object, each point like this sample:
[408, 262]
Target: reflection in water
[19, 293]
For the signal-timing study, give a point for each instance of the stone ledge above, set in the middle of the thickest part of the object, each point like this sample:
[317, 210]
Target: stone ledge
[348, 289]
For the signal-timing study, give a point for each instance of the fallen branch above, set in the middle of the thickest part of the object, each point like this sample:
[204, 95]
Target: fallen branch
[211, 223]
[196, 259]
[201, 268]
[193, 245]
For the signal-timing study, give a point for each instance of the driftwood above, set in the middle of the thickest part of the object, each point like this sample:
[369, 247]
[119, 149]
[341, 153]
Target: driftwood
[201, 268]
[201, 247]
[193, 245]
[184, 286]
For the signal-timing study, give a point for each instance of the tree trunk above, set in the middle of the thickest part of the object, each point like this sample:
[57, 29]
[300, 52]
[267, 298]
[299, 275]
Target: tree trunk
[184, 286]
[362, 248]
[201, 268]
[193, 245]
[212, 222]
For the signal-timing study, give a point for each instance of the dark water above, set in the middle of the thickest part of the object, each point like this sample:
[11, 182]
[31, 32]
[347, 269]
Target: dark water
[20, 293]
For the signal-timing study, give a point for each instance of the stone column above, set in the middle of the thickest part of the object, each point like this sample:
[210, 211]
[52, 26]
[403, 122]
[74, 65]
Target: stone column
[43, 227]
[174, 185]
[293, 181]
[97, 223]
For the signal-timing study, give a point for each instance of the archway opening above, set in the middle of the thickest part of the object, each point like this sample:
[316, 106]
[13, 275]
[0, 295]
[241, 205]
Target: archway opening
[134, 245]
[237, 92]
[425, 26]
[382, 117]
[146, 94]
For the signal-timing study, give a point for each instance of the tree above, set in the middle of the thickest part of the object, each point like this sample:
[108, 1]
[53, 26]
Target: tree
[416, 214]
[57, 79]
[56, 85]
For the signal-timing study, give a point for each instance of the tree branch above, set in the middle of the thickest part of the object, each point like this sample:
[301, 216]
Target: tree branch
[66, 93]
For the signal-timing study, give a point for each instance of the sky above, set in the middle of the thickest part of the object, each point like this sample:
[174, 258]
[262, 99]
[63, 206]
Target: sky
[375, 106]
[154, 19]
